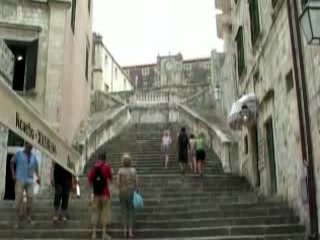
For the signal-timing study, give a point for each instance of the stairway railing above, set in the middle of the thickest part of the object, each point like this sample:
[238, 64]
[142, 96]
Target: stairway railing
[154, 98]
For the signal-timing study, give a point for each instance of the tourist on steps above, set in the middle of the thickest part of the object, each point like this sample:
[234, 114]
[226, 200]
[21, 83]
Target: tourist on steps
[24, 165]
[165, 147]
[192, 154]
[201, 153]
[128, 183]
[99, 177]
[61, 181]
[183, 147]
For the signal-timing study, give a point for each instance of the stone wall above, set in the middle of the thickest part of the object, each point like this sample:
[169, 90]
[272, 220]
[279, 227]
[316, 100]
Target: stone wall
[202, 99]
[108, 76]
[62, 91]
[154, 113]
[27, 22]
[267, 74]
[3, 158]
[77, 86]
[124, 96]
[101, 101]
[312, 63]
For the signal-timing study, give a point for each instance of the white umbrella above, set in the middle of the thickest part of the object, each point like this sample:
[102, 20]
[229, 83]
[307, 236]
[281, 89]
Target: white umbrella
[249, 102]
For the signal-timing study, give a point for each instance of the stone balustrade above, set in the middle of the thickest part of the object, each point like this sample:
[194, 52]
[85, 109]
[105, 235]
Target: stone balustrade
[155, 98]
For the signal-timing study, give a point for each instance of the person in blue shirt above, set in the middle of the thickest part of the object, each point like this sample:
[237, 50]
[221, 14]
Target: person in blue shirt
[24, 165]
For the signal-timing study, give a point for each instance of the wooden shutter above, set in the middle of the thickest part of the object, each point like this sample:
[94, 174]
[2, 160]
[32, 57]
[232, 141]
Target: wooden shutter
[32, 59]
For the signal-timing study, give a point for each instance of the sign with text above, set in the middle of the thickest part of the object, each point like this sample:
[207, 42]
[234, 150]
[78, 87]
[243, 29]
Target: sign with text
[6, 61]
[25, 122]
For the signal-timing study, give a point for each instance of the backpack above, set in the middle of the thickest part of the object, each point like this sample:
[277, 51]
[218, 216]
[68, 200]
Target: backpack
[183, 140]
[99, 181]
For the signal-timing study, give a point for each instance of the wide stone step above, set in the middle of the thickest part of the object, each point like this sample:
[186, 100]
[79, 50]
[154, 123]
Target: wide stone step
[294, 236]
[176, 170]
[84, 200]
[163, 196]
[178, 223]
[148, 191]
[172, 171]
[147, 187]
[161, 232]
[154, 156]
[143, 166]
[162, 214]
[154, 162]
[155, 208]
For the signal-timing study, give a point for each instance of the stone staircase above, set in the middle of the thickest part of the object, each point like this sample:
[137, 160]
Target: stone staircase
[216, 206]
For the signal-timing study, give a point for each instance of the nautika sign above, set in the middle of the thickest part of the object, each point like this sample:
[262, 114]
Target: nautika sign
[25, 122]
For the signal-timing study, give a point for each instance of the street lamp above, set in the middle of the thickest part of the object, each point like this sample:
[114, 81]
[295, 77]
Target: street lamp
[309, 20]
[19, 58]
[217, 93]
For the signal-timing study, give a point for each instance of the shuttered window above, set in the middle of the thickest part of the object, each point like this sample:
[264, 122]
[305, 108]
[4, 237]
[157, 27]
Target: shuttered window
[25, 66]
[32, 60]
[87, 63]
[73, 15]
[254, 20]
[240, 52]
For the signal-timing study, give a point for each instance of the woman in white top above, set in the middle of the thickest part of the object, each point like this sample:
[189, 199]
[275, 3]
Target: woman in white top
[165, 147]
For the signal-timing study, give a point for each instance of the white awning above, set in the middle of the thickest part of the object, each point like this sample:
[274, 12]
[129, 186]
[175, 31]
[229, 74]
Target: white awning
[246, 104]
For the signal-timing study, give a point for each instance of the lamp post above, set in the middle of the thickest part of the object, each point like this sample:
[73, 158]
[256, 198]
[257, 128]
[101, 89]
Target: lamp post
[245, 114]
[309, 20]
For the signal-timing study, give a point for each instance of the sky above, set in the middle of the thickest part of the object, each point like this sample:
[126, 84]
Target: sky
[136, 31]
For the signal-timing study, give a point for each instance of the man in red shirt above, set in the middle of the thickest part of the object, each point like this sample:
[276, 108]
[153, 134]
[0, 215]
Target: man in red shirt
[98, 177]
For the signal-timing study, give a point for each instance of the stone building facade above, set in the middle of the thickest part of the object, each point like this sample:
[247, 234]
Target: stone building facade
[51, 42]
[54, 37]
[107, 74]
[259, 60]
[170, 71]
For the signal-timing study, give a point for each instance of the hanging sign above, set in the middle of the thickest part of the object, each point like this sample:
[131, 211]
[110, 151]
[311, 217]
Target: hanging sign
[25, 122]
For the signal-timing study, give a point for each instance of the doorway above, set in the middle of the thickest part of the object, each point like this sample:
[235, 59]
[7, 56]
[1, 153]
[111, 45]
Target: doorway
[255, 154]
[10, 186]
[271, 155]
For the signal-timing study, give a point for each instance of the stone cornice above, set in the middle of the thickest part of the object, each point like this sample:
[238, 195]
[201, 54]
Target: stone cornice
[66, 2]
[30, 28]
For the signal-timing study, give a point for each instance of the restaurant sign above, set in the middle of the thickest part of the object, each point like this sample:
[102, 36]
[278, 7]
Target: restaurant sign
[25, 122]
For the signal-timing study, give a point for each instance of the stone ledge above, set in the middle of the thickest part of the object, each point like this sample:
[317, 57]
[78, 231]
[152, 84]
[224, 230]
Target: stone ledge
[31, 28]
[225, 147]
[224, 138]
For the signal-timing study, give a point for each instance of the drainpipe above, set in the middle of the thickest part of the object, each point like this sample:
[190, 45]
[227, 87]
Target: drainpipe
[303, 109]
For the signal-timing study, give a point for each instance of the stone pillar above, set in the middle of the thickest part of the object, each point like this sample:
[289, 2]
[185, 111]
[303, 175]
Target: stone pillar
[3, 158]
